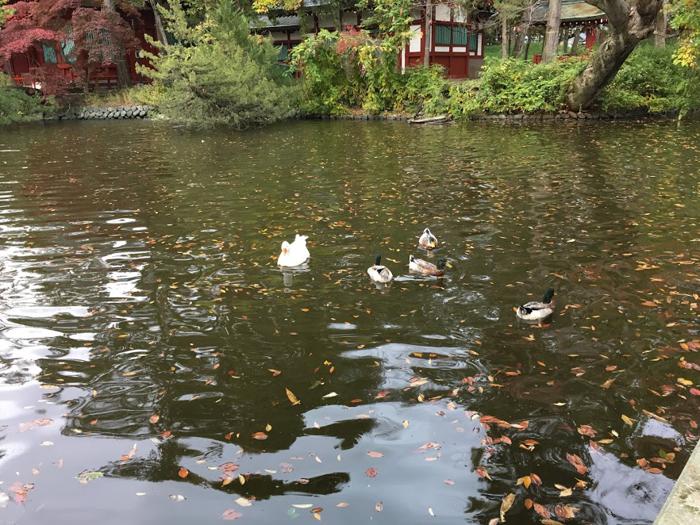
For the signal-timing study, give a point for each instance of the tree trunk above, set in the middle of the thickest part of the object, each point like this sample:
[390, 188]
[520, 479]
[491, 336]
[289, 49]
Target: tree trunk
[504, 36]
[427, 45]
[660, 29]
[160, 30]
[628, 25]
[123, 78]
[527, 48]
[523, 29]
[551, 37]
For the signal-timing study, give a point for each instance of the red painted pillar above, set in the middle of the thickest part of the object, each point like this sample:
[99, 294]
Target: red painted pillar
[590, 37]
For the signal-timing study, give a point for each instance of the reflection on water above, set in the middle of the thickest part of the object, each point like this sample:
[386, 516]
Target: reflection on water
[151, 352]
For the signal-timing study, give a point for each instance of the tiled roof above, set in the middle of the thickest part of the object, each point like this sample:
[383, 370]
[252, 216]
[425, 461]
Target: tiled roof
[571, 11]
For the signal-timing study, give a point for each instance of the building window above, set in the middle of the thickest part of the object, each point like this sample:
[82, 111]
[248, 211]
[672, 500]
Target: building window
[474, 41]
[443, 35]
[446, 35]
[50, 54]
[459, 36]
[67, 48]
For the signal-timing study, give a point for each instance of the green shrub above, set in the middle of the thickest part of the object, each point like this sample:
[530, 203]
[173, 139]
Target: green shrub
[351, 70]
[650, 81]
[330, 75]
[515, 86]
[16, 105]
[423, 90]
[217, 73]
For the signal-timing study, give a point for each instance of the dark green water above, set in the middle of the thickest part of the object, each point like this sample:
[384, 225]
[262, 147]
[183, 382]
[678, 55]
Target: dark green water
[140, 306]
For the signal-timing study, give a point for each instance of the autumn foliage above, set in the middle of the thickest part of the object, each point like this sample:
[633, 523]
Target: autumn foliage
[93, 34]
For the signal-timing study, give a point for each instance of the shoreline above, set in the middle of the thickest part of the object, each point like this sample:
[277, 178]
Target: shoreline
[145, 112]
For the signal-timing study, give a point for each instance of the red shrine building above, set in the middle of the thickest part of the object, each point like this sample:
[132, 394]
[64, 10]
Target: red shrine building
[448, 34]
[51, 62]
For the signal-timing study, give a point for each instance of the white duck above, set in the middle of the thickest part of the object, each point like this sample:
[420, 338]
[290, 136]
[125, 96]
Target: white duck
[379, 273]
[537, 310]
[427, 240]
[294, 254]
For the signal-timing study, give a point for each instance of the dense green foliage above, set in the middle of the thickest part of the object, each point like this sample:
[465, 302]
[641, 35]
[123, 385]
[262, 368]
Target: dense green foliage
[354, 68]
[515, 86]
[16, 105]
[351, 70]
[217, 73]
[651, 81]
[685, 17]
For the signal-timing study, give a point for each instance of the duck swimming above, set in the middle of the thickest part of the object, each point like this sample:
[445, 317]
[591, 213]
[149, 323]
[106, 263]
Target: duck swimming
[427, 240]
[379, 273]
[426, 268]
[294, 254]
[537, 310]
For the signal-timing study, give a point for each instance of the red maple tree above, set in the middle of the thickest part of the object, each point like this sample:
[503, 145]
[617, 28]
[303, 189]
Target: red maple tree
[97, 33]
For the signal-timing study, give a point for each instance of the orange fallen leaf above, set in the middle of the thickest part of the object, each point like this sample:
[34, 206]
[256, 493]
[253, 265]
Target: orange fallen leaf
[183, 472]
[260, 436]
[154, 419]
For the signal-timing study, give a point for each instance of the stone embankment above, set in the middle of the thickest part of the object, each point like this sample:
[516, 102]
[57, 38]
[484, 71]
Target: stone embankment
[107, 113]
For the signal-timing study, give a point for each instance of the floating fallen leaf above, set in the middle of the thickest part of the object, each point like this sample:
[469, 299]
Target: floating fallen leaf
[482, 472]
[154, 419]
[525, 481]
[183, 472]
[649, 304]
[275, 372]
[294, 400]
[329, 395]
[541, 510]
[260, 436]
[42, 422]
[231, 514]
[243, 502]
[342, 505]
[177, 497]
[20, 491]
[684, 382]
[430, 511]
[371, 472]
[404, 423]
[577, 463]
[375, 454]
[302, 505]
[506, 504]
[268, 427]
[379, 506]
[565, 512]
[586, 430]
[627, 420]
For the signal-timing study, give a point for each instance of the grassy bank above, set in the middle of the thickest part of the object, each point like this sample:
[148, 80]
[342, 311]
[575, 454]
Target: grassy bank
[18, 106]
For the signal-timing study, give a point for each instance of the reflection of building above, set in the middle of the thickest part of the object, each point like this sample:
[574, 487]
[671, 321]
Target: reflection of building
[53, 63]
[455, 36]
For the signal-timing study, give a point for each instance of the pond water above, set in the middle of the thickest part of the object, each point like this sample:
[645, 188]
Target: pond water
[148, 340]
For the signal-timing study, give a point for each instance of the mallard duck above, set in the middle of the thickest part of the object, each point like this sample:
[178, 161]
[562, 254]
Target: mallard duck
[427, 240]
[426, 268]
[294, 254]
[537, 310]
[379, 273]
